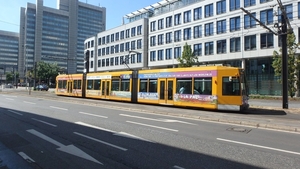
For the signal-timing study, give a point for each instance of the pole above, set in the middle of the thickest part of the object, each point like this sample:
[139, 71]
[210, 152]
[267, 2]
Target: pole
[26, 65]
[284, 64]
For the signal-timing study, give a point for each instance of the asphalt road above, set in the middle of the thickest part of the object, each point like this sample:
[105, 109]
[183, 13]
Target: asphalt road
[80, 134]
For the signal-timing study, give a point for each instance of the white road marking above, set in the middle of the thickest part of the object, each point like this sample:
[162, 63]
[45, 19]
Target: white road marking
[123, 134]
[20, 114]
[160, 120]
[92, 114]
[53, 125]
[8, 96]
[58, 108]
[71, 149]
[95, 127]
[29, 102]
[103, 142]
[9, 99]
[152, 126]
[26, 157]
[177, 167]
[259, 146]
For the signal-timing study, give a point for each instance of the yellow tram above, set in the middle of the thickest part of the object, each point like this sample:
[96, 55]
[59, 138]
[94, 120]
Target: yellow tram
[208, 87]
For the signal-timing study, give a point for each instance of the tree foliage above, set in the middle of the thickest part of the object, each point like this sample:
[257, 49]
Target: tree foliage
[10, 76]
[46, 71]
[293, 64]
[188, 59]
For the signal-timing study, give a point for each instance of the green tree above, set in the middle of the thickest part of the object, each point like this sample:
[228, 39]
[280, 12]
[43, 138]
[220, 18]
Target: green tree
[293, 64]
[188, 59]
[10, 76]
[46, 71]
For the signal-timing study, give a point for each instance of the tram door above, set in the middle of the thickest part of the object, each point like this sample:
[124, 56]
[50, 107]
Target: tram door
[165, 89]
[105, 88]
[70, 87]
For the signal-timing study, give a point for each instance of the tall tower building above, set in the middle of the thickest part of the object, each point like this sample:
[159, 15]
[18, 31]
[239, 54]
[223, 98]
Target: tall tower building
[57, 35]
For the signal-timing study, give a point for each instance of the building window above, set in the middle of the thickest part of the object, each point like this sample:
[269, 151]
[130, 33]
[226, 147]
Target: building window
[160, 24]
[235, 24]
[132, 58]
[209, 48]
[221, 7]
[249, 22]
[288, 10]
[235, 44]
[103, 62]
[198, 31]
[221, 46]
[92, 64]
[117, 36]
[117, 48]
[99, 41]
[177, 19]
[266, 16]
[99, 52]
[133, 32]
[133, 45]
[152, 26]
[266, 40]
[127, 33]
[99, 63]
[107, 50]
[107, 39]
[103, 51]
[187, 33]
[122, 47]
[139, 30]
[112, 37]
[103, 40]
[187, 16]
[209, 10]
[221, 26]
[250, 42]
[209, 29]
[177, 36]
[111, 61]
[168, 21]
[116, 61]
[169, 37]
[139, 58]
[298, 9]
[249, 3]
[107, 62]
[168, 53]
[122, 60]
[152, 40]
[160, 54]
[112, 49]
[92, 43]
[122, 34]
[160, 39]
[198, 13]
[139, 44]
[198, 49]
[234, 5]
[152, 56]
[177, 52]
[263, 1]
[127, 46]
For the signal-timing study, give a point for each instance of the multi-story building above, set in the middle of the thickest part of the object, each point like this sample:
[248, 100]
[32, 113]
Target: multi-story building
[9, 48]
[57, 35]
[218, 32]
[119, 48]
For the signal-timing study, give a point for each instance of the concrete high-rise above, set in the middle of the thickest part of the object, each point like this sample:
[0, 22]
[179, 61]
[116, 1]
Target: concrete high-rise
[57, 35]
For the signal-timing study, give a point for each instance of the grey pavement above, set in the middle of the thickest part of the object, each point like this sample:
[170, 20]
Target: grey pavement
[263, 113]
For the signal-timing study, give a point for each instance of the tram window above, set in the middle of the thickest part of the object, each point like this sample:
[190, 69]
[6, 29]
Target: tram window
[203, 86]
[60, 84]
[125, 85]
[231, 86]
[184, 86]
[79, 84]
[115, 84]
[97, 84]
[64, 85]
[153, 85]
[90, 84]
[143, 85]
[75, 84]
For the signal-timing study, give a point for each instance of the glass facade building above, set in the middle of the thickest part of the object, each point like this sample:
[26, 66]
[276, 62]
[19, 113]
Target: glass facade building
[9, 48]
[57, 35]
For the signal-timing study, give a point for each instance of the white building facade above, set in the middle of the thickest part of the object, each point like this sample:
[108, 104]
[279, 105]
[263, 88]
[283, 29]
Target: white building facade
[218, 32]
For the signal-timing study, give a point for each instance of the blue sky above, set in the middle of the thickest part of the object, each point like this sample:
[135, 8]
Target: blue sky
[115, 10]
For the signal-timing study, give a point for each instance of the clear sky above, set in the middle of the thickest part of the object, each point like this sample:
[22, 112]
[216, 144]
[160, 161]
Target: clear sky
[115, 10]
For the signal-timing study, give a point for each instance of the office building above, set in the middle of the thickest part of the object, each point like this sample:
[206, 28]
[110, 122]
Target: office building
[219, 32]
[57, 35]
[9, 48]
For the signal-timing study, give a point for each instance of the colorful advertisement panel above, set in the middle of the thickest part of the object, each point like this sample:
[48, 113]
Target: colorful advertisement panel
[205, 73]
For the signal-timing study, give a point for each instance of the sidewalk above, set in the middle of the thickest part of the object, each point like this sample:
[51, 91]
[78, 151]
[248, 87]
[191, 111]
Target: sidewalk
[261, 114]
